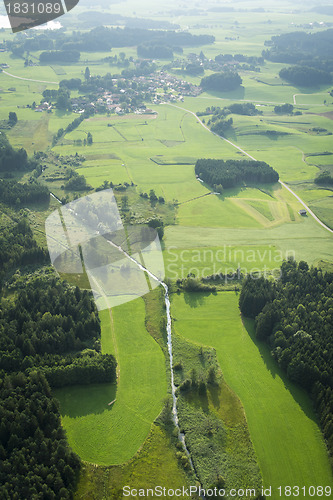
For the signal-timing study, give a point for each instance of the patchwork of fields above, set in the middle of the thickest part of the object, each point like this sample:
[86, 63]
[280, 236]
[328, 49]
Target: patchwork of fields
[250, 229]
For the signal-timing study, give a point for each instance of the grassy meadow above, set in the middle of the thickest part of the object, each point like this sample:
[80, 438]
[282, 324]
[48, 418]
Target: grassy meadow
[154, 464]
[282, 424]
[104, 434]
[252, 228]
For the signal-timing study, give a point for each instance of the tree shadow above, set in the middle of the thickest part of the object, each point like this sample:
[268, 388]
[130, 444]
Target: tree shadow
[81, 400]
[60, 113]
[215, 392]
[238, 93]
[299, 394]
[197, 400]
[195, 299]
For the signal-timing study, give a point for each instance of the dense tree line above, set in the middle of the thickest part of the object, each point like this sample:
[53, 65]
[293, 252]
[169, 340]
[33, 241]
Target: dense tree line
[284, 109]
[36, 461]
[227, 58]
[221, 127]
[246, 108]
[194, 69]
[154, 51]
[306, 49]
[103, 39]
[48, 326]
[19, 248]
[231, 173]
[77, 182]
[71, 84]
[16, 194]
[295, 315]
[63, 56]
[221, 82]
[89, 111]
[10, 158]
[305, 76]
[323, 9]
[85, 369]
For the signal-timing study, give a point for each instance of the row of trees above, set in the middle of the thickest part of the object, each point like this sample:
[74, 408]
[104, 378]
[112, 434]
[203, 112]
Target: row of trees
[15, 194]
[295, 315]
[231, 173]
[246, 108]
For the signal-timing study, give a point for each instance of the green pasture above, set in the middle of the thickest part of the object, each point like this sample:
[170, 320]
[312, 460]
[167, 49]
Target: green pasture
[155, 463]
[281, 420]
[324, 210]
[136, 139]
[225, 258]
[214, 211]
[263, 208]
[105, 434]
[304, 239]
[97, 171]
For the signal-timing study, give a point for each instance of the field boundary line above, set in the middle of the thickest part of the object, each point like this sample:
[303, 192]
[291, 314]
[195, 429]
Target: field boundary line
[316, 93]
[28, 79]
[252, 158]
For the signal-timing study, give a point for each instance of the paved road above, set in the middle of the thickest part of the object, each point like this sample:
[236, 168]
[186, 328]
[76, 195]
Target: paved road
[252, 158]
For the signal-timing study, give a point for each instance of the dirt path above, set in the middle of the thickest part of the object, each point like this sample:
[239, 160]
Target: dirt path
[28, 79]
[252, 158]
[317, 93]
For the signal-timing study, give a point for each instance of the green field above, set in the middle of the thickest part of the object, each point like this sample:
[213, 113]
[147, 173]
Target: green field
[156, 463]
[251, 228]
[282, 423]
[104, 434]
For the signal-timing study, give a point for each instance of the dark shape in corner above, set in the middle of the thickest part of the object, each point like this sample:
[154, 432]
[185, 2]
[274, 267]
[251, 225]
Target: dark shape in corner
[32, 13]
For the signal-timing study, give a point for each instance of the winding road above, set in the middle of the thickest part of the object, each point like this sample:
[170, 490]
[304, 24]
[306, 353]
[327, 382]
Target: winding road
[252, 158]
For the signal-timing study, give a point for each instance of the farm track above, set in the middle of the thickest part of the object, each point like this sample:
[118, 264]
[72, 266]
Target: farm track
[29, 79]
